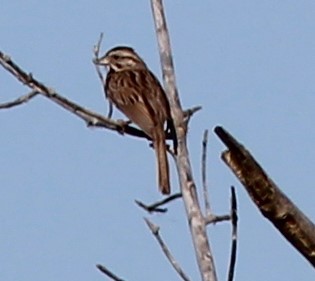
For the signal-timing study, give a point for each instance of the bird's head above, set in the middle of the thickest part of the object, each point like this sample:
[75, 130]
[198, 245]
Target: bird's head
[121, 58]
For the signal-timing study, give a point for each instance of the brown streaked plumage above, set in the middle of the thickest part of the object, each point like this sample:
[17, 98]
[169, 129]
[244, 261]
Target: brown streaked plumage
[135, 91]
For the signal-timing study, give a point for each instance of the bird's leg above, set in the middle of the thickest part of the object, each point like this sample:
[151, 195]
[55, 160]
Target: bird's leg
[123, 124]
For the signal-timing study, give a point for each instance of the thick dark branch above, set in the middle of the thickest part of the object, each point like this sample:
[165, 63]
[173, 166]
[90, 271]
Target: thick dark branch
[298, 229]
[155, 207]
[107, 272]
[155, 231]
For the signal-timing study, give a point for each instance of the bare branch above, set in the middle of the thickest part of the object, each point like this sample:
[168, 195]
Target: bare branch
[234, 234]
[188, 189]
[166, 56]
[108, 273]
[204, 173]
[155, 231]
[20, 100]
[91, 118]
[297, 228]
[155, 206]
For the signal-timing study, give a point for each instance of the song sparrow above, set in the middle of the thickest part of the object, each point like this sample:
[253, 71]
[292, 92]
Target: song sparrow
[134, 90]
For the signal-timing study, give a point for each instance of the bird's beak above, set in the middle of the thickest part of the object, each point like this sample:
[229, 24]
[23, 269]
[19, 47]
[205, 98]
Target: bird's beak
[102, 61]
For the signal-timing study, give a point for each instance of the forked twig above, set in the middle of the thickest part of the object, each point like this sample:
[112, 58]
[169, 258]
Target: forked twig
[96, 51]
[155, 206]
[155, 231]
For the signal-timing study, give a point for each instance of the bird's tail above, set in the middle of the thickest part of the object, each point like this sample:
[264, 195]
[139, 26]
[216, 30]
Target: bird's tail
[162, 162]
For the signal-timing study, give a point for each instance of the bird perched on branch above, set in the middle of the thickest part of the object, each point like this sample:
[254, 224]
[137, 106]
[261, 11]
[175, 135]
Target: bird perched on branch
[135, 91]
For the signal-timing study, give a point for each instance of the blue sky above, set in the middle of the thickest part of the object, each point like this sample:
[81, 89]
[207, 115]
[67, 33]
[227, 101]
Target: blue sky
[67, 191]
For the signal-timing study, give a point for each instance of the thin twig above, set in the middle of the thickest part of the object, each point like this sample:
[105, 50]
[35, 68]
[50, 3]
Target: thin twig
[210, 219]
[96, 51]
[155, 206]
[20, 100]
[107, 272]
[190, 112]
[155, 231]
[204, 173]
[234, 234]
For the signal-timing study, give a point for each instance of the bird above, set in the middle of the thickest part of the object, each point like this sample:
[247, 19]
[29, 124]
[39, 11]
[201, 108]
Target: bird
[137, 93]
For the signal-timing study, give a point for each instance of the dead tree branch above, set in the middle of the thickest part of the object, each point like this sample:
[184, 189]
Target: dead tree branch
[155, 231]
[195, 218]
[297, 228]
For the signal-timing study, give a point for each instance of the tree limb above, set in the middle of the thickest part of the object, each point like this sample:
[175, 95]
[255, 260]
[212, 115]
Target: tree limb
[297, 228]
[195, 218]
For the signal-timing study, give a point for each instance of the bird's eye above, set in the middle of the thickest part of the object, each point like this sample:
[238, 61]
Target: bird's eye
[115, 57]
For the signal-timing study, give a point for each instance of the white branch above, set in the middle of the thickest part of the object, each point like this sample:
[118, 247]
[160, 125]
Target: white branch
[195, 218]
